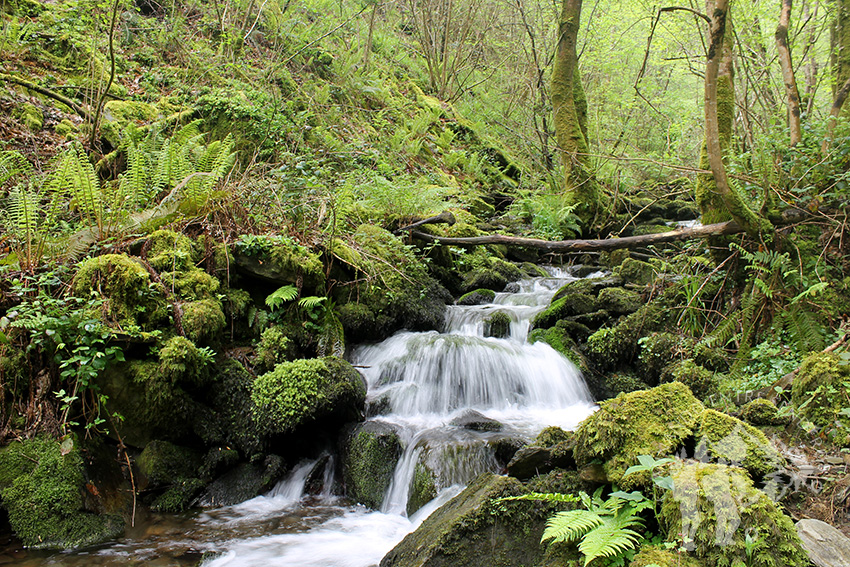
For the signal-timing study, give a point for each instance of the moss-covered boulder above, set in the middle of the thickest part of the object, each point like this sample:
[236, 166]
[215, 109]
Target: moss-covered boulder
[132, 300]
[203, 320]
[169, 251]
[657, 350]
[370, 454]
[819, 394]
[304, 391]
[118, 114]
[493, 274]
[477, 297]
[762, 412]
[42, 485]
[243, 482]
[729, 440]
[724, 520]
[702, 382]
[279, 260]
[274, 347]
[636, 271]
[649, 422]
[619, 300]
[568, 305]
[475, 529]
[611, 347]
[423, 488]
[624, 382]
[164, 464]
[178, 497]
[391, 288]
[498, 325]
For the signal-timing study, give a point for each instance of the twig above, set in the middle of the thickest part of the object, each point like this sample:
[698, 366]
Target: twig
[102, 100]
[47, 92]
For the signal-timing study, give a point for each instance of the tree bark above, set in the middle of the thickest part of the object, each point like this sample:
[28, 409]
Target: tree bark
[834, 113]
[598, 245]
[717, 199]
[570, 115]
[792, 94]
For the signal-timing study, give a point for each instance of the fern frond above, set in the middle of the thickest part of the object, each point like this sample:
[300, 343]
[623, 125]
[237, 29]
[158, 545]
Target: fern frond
[331, 341]
[310, 301]
[803, 327]
[543, 497]
[75, 177]
[281, 295]
[570, 526]
[12, 163]
[607, 540]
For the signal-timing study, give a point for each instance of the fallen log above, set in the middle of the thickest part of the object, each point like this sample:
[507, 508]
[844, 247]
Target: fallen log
[598, 245]
[446, 217]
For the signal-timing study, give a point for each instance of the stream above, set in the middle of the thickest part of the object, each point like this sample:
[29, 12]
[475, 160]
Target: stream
[421, 382]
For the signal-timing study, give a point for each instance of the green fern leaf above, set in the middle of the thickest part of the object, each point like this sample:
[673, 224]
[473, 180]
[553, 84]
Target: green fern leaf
[12, 163]
[311, 301]
[281, 295]
[607, 540]
[570, 526]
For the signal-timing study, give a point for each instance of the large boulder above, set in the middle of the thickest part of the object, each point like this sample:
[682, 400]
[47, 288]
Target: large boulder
[43, 489]
[722, 519]
[476, 529]
[724, 438]
[826, 546]
[304, 391]
[647, 422]
[370, 454]
[819, 394]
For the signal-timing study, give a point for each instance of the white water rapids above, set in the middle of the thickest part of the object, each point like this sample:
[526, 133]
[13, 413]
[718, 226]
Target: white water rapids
[422, 381]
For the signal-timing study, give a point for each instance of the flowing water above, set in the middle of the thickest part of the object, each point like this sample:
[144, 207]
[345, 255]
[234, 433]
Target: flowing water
[418, 383]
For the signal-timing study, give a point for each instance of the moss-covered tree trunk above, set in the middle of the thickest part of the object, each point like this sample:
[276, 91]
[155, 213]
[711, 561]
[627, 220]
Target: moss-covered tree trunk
[792, 94]
[570, 110]
[718, 199]
[840, 43]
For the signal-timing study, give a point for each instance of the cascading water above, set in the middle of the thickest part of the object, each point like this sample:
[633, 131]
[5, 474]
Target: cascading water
[425, 385]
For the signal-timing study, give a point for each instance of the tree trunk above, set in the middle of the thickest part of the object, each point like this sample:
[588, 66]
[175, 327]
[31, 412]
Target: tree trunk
[841, 45]
[718, 200]
[792, 95]
[570, 115]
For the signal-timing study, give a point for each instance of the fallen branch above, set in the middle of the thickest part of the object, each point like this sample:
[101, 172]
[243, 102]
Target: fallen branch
[599, 245]
[446, 217]
[47, 92]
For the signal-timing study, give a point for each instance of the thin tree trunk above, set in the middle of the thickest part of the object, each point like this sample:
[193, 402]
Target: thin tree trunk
[834, 113]
[792, 95]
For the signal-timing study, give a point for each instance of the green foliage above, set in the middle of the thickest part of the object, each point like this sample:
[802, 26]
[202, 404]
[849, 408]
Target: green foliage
[280, 296]
[203, 320]
[819, 395]
[552, 216]
[180, 360]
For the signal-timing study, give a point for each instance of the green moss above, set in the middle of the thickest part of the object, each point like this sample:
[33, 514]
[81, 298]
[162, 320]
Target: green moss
[164, 464]
[484, 278]
[819, 393]
[649, 422]
[497, 325]
[132, 300]
[730, 440]
[560, 340]
[237, 303]
[203, 320]
[302, 391]
[179, 497]
[762, 412]
[477, 297]
[551, 436]
[42, 484]
[715, 507]
[31, 116]
[636, 271]
[611, 347]
[170, 251]
[619, 301]
[533, 270]
[567, 306]
[181, 361]
[623, 382]
[280, 259]
[423, 489]
[702, 382]
[275, 347]
[656, 352]
[652, 556]
[118, 114]
[66, 129]
[371, 455]
[232, 423]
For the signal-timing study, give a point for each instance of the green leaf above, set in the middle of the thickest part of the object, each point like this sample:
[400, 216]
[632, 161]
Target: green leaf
[281, 295]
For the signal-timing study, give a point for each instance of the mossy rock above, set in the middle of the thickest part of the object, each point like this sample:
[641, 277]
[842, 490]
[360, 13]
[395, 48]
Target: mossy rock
[275, 347]
[303, 391]
[231, 420]
[649, 422]
[559, 339]
[484, 278]
[170, 251]
[716, 507]
[498, 325]
[164, 464]
[619, 301]
[477, 297]
[567, 306]
[203, 320]
[727, 439]
[132, 300]
[279, 260]
[612, 347]
[654, 556]
[31, 116]
[181, 361]
[243, 482]
[371, 453]
[656, 352]
[624, 382]
[42, 486]
[636, 271]
[702, 382]
[191, 285]
[475, 529]
[819, 394]
[762, 412]
[179, 496]
[551, 436]
[423, 488]
[533, 270]
[118, 114]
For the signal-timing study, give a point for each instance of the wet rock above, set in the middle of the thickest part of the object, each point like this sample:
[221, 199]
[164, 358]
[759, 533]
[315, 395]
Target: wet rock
[370, 454]
[423, 488]
[477, 297]
[730, 440]
[471, 419]
[512, 287]
[702, 382]
[619, 301]
[636, 271]
[474, 529]
[498, 325]
[762, 412]
[243, 482]
[584, 270]
[590, 286]
[567, 306]
[825, 545]
[163, 463]
[530, 461]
